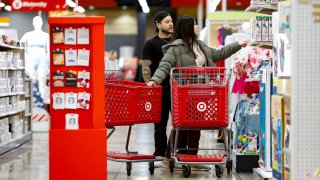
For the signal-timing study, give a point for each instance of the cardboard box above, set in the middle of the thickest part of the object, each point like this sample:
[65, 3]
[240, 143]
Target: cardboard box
[257, 30]
[265, 28]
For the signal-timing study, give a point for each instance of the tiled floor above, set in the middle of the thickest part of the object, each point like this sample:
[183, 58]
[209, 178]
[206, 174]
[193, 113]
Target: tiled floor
[30, 161]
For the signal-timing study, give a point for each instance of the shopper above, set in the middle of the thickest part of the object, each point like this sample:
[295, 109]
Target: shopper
[151, 56]
[186, 51]
[112, 62]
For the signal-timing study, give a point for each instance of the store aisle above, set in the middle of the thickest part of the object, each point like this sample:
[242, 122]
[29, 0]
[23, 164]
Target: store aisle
[30, 161]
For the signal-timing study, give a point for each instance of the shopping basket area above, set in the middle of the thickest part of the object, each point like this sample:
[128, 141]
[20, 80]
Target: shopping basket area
[129, 103]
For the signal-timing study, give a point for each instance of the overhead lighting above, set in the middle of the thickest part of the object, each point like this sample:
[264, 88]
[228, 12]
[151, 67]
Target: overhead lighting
[124, 7]
[144, 5]
[70, 3]
[8, 8]
[2, 4]
[79, 9]
[91, 7]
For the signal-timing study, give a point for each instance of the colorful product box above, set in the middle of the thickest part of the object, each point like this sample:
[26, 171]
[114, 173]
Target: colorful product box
[270, 29]
[265, 28]
[257, 30]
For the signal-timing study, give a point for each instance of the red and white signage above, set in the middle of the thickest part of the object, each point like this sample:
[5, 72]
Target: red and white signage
[37, 5]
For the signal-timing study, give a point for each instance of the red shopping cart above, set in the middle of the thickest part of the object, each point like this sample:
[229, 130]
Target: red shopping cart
[129, 103]
[199, 101]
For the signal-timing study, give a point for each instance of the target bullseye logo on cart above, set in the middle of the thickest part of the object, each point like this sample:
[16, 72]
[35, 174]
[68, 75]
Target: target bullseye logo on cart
[148, 106]
[201, 106]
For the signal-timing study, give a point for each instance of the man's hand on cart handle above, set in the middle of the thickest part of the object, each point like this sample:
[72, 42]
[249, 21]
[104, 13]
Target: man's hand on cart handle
[151, 83]
[244, 43]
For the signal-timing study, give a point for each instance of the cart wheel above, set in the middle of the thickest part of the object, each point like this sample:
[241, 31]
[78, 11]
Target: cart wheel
[219, 171]
[129, 167]
[229, 166]
[151, 167]
[171, 165]
[186, 171]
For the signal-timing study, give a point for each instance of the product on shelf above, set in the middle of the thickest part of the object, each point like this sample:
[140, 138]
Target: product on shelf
[270, 29]
[71, 78]
[57, 35]
[71, 57]
[265, 28]
[83, 100]
[58, 79]
[257, 31]
[58, 100]
[72, 121]
[70, 35]
[83, 36]
[71, 101]
[58, 57]
[83, 57]
[84, 79]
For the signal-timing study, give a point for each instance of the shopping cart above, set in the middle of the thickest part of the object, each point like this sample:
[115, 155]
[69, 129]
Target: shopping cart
[199, 102]
[129, 103]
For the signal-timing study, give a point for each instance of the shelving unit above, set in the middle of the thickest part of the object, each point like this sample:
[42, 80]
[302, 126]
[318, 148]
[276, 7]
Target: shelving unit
[29, 103]
[12, 116]
[267, 45]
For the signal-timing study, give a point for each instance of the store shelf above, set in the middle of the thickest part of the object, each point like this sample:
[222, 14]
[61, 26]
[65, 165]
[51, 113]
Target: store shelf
[28, 79]
[261, 173]
[27, 96]
[14, 143]
[263, 8]
[12, 94]
[27, 115]
[11, 113]
[5, 46]
[267, 45]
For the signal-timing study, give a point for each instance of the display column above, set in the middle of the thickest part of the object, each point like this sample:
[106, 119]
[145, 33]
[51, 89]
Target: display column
[77, 136]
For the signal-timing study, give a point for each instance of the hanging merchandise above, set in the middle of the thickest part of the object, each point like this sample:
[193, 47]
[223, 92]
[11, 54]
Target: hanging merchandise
[71, 57]
[72, 121]
[71, 78]
[71, 101]
[282, 56]
[84, 79]
[83, 36]
[57, 35]
[83, 57]
[83, 100]
[58, 79]
[58, 100]
[58, 57]
[70, 36]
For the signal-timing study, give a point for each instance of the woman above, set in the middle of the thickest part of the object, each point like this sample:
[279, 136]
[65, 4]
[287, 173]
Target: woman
[186, 51]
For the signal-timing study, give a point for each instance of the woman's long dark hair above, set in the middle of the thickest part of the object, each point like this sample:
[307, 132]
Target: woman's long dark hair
[184, 29]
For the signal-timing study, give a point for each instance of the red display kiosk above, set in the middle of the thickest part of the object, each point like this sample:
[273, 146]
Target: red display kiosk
[78, 153]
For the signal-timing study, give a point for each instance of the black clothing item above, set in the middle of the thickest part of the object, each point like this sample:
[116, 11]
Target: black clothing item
[160, 16]
[160, 129]
[152, 50]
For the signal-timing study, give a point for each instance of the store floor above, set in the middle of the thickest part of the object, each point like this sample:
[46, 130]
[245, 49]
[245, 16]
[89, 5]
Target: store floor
[30, 161]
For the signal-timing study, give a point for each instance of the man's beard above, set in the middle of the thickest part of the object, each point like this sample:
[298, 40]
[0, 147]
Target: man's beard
[166, 31]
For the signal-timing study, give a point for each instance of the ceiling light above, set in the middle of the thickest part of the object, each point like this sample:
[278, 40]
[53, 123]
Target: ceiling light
[70, 3]
[144, 5]
[91, 7]
[8, 8]
[124, 7]
[2, 4]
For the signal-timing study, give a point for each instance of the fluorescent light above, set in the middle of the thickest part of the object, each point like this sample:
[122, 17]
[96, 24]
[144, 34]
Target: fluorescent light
[2, 4]
[8, 8]
[79, 9]
[70, 3]
[144, 5]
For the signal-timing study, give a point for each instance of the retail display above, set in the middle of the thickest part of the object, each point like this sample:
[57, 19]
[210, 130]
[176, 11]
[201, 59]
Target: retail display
[77, 96]
[262, 29]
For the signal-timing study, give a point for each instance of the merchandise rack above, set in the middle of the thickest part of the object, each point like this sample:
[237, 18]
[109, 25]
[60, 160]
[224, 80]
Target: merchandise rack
[263, 8]
[26, 131]
[81, 153]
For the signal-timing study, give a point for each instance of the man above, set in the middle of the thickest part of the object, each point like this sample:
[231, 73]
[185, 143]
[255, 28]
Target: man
[151, 56]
